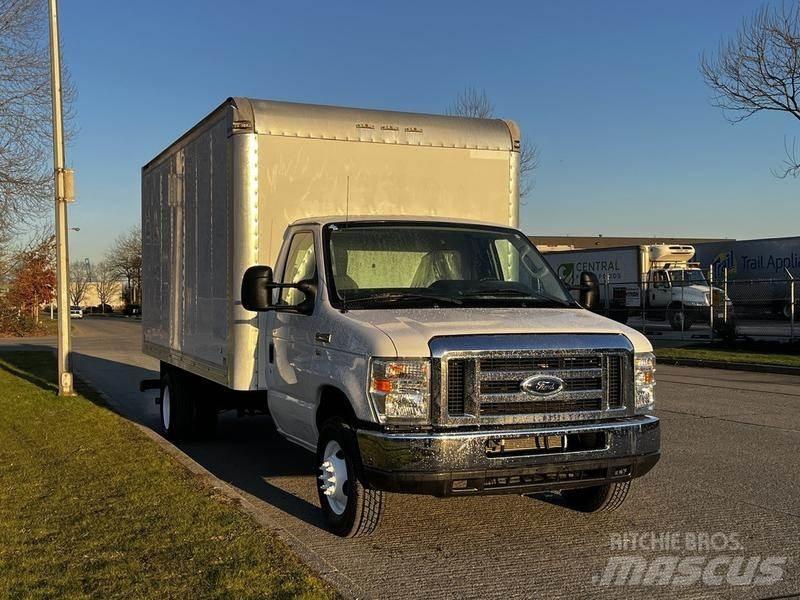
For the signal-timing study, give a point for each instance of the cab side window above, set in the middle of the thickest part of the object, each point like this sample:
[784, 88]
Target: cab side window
[660, 279]
[301, 265]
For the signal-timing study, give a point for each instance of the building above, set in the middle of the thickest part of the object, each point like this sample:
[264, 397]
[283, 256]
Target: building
[91, 298]
[551, 243]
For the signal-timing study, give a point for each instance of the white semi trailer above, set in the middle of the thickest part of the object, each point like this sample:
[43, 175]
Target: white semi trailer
[658, 280]
[316, 263]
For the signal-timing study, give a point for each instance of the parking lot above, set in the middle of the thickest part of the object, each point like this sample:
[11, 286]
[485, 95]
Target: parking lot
[729, 471]
[756, 329]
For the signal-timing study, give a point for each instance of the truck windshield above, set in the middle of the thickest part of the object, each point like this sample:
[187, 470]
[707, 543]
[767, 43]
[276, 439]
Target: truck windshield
[374, 265]
[687, 277]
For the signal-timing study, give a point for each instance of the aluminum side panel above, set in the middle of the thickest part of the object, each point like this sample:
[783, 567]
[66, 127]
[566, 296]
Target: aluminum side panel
[301, 178]
[186, 234]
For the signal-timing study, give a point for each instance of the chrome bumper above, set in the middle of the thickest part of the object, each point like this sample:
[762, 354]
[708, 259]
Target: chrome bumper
[463, 462]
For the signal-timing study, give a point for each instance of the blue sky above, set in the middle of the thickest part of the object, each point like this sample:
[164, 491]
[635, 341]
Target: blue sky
[610, 92]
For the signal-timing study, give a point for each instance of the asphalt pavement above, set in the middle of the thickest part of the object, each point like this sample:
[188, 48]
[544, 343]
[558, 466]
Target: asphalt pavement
[719, 516]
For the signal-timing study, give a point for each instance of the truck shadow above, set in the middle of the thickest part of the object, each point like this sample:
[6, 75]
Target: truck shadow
[246, 452]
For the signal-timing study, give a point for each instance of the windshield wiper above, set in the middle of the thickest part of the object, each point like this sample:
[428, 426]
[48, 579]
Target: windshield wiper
[394, 297]
[512, 293]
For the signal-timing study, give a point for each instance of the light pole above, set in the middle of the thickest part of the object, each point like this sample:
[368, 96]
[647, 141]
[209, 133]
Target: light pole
[51, 297]
[63, 195]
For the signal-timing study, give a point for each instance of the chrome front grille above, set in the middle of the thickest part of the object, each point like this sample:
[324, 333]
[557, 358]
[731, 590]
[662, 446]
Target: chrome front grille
[486, 388]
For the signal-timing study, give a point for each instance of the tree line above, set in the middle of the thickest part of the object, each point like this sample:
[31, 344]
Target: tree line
[119, 274]
[28, 278]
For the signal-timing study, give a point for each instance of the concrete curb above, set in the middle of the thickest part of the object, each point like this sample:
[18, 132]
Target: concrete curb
[730, 366]
[343, 584]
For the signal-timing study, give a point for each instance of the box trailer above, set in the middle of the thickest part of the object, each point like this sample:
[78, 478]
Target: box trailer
[758, 273]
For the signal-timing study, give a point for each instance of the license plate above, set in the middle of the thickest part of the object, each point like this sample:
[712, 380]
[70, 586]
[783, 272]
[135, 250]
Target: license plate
[528, 443]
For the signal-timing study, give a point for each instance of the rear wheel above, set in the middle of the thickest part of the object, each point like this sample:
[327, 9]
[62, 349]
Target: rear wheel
[185, 412]
[600, 498]
[350, 508]
[176, 413]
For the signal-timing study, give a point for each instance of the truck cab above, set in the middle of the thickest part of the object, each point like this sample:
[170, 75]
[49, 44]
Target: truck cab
[678, 289]
[446, 358]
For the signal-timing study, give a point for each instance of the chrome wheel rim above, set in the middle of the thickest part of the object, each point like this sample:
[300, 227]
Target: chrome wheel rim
[165, 409]
[333, 477]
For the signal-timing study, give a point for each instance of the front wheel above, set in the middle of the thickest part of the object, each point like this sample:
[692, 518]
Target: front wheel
[600, 498]
[679, 319]
[350, 508]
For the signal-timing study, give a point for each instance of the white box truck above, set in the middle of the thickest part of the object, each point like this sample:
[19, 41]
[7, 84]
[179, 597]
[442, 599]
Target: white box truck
[658, 280]
[316, 263]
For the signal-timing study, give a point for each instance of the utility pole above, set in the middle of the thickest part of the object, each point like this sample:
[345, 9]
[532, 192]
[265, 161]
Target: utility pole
[63, 195]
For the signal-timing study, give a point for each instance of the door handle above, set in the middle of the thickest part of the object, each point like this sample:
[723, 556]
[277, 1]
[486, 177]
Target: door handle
[323, 338]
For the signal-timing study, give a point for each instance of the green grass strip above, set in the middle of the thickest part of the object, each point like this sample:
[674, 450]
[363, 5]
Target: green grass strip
[90, 507]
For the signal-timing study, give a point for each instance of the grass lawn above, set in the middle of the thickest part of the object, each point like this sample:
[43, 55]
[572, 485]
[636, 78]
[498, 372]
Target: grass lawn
[47, 327]
[90, 507]
[732, 355]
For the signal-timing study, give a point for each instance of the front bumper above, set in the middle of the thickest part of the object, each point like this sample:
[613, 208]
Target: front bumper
[463, 463]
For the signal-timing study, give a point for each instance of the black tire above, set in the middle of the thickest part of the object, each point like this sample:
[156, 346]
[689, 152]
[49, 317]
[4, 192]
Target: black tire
[204, 407]
[679, 319]
[359, 510]
[600, 498]
[186, 412]
[787, 311]
[176, 406]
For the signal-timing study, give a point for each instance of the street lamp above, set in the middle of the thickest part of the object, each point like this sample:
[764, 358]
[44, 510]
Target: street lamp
[52, 237]
[64, 193]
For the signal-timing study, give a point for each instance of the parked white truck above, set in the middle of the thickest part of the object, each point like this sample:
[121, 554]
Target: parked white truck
[658, 280]
[314, 263]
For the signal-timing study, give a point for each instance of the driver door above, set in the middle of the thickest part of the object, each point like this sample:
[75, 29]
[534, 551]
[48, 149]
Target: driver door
[292, 353]
[660, 289]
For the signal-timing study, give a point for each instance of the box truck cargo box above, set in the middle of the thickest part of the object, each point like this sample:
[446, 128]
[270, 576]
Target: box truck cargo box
[220, 198]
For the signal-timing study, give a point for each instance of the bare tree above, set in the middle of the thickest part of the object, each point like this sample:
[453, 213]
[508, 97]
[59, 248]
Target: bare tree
[759, 70]
[106, 280]
[26, 176]
[125, 259]
[475, 104]
[79, 279]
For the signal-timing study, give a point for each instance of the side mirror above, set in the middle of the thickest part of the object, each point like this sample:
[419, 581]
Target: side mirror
[590, 291]
[257, 286]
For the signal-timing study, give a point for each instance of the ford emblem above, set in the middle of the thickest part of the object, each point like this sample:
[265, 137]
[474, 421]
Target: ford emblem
[542, 385]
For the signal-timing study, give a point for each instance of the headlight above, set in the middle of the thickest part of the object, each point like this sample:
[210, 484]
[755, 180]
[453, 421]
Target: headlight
[644, 381]
[401, 389]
